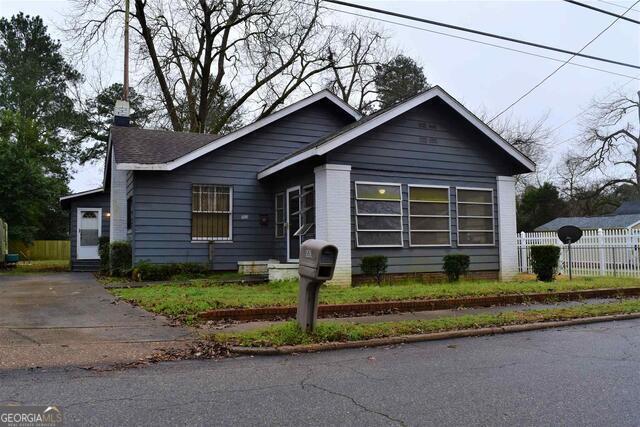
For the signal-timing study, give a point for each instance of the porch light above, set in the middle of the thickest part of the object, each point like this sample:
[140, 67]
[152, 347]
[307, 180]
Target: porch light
[108, 214]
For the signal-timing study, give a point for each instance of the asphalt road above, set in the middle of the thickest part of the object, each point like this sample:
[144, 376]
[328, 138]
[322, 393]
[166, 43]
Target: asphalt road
[587, 375]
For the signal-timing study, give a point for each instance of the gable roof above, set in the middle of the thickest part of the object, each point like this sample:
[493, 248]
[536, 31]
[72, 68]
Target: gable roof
[199, 147]
[630, 207]
[65, 200]
[149, 146]
[349, 132]
[592, 222]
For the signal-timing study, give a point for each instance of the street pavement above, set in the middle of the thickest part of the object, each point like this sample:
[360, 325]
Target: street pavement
[69, 319]
[579, 376]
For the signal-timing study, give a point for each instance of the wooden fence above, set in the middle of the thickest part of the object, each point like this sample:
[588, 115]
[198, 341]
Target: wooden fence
[597, 253]
[41, 249]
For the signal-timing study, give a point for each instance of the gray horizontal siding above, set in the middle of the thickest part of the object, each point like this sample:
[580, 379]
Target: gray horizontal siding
[162, 200]
[429, 145]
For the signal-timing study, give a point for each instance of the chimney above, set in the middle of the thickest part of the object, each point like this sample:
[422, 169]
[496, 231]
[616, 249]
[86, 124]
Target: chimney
[121, 113]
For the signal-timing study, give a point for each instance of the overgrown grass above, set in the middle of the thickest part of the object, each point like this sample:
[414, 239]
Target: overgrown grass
[46, 266]
[200, 295]
[290, 334]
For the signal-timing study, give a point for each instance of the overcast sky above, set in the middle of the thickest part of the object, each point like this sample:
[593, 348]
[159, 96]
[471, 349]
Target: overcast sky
[482, 77]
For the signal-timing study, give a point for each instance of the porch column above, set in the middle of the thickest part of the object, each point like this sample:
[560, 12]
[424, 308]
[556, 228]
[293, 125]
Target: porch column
[118, 208]
[508, 245]
[333, 215]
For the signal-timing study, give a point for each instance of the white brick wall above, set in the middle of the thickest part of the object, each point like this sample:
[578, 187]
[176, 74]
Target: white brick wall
[118, 219]
[507, 227]
[333, 215]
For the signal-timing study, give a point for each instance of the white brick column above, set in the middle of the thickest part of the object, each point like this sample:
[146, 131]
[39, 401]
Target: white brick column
[508, 245]
[118, 192]
[333, 215]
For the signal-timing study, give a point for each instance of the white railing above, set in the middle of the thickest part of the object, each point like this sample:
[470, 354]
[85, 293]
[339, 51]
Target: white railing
[597, 253]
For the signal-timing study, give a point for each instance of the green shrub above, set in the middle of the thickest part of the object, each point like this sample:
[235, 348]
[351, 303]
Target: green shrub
[103, 251]
[544, 261]
[145, 271]
[455, 265]
[375, 265]
[120, 258]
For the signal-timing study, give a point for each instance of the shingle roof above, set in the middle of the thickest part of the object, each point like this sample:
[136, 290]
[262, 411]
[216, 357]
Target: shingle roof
[148, 146]
[592, 223]
[631, 207]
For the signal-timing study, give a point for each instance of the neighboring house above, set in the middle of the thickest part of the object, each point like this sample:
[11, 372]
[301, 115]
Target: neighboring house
[626, 216]
[413, 182]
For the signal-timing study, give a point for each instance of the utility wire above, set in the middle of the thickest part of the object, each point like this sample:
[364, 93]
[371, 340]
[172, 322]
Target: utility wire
[617, 5]
[597, 9]
[588, 109]
[541, 82]
[482, 33]
[511, 49]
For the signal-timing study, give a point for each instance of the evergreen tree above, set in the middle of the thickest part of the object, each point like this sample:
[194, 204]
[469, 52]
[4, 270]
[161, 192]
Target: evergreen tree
[399, 79]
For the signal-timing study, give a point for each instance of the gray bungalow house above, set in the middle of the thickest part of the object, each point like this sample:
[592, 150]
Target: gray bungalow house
[413, 182]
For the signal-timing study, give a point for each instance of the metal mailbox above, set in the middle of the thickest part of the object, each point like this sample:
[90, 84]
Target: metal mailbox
[317, 264]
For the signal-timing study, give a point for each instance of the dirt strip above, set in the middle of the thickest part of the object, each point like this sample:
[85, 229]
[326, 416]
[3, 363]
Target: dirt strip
[333, 310]
[378, 342]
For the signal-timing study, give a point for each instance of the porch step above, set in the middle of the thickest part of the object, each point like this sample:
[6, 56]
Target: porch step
[85, 265]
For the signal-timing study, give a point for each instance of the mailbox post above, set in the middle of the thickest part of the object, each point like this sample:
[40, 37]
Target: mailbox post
[317, 262]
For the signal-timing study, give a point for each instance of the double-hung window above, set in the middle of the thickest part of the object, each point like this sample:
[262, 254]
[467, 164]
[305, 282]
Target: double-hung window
[280, 215]
[211, 212]
[429, 220]
[378, 214]
[307, 213]
[475, 217]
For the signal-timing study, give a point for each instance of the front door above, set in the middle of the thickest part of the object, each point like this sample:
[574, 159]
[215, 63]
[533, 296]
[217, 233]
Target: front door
[89, 231]
[293, 224]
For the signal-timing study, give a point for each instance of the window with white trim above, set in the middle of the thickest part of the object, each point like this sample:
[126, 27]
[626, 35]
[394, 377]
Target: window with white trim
[475, 217]
[280, 215]
[307, 228]
[378, 214]
[429, 221]
[211, 212]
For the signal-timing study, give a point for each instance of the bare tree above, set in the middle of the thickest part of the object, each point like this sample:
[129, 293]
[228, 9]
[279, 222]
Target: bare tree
[611, 142]
[243, 55]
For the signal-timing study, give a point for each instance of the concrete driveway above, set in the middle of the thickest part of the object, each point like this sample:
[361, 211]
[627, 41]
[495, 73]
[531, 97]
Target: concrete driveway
[68, 319]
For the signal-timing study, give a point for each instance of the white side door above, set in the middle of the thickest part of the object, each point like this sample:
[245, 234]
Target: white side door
[89, 231]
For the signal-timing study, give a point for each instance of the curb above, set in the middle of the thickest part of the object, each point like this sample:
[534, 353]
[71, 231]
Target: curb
[328, 310]
[435, 336]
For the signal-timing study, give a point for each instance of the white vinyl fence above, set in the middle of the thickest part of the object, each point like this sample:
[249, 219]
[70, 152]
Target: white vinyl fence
[597, 253]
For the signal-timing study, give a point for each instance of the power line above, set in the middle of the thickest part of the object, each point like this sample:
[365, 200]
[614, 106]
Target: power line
[482, 33]
[617, 5]
[587, 109]
[541, 82]
[475, 41]
[597, 9]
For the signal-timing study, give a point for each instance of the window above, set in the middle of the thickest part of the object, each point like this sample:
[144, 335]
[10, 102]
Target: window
[475, 217]
[280, 215]
[307, 213]
[129, 213]
[378, 214]
[429, 222]
[211, 212]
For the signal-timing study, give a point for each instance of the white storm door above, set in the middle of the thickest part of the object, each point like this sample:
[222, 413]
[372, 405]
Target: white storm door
[89, 231]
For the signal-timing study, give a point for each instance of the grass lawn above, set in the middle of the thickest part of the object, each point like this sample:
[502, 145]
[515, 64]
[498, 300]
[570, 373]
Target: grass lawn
[200, 295]
[46, 266]
[179, 279]
[290, 334]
